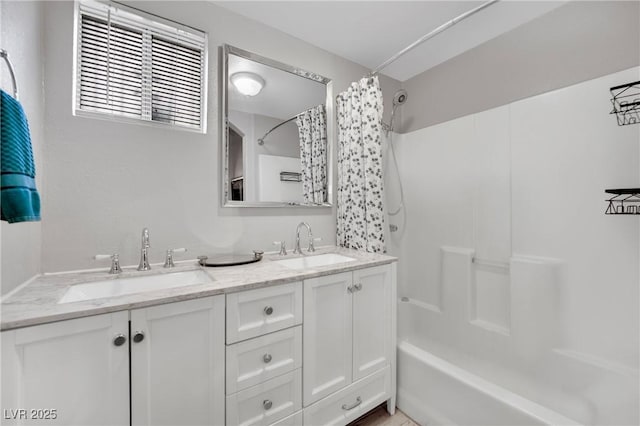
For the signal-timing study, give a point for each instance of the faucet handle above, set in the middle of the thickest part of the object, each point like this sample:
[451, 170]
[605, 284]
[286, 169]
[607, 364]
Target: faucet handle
[115, 261]
[311, 241]
[283, 248]
[168, 262]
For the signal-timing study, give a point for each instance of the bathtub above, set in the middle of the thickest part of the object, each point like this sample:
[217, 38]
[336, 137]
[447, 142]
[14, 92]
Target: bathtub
[469, 376]
[433, 391]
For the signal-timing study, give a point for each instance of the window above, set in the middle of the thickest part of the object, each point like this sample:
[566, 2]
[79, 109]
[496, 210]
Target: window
[131, 66]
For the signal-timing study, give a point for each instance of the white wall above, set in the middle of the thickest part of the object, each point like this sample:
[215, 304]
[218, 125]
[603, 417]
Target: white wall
[579, 41]
[522, 185]
[21, 36]
[270, 187]
[107, 180]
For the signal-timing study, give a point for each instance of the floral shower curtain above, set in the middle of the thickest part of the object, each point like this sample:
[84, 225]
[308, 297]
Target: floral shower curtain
[312, 130]
[360, 187]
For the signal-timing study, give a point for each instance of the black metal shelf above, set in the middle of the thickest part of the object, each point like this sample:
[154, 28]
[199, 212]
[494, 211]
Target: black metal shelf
[626, 103]
[624, 201]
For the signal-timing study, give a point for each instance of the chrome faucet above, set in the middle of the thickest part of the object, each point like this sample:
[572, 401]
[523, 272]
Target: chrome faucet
[311, 248]
[144, 252]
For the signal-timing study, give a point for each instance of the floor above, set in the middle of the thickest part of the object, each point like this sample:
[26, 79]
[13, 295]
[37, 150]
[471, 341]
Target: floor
[380, 417]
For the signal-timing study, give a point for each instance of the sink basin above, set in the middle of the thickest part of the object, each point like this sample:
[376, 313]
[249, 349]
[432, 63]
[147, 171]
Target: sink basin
[131, 285]
[315, 261]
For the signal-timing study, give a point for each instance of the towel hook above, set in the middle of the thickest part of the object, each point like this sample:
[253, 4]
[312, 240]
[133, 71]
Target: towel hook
[5, 56]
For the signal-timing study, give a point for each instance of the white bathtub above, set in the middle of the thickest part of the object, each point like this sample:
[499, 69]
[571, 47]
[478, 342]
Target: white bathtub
[454, 369]
[433, 391]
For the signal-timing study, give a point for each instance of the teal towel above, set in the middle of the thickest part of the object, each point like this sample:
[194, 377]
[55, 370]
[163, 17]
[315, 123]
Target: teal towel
[19, 201]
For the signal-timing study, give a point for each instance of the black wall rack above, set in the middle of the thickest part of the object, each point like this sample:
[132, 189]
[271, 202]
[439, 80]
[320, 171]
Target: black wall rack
[624, 201]
[626, 103]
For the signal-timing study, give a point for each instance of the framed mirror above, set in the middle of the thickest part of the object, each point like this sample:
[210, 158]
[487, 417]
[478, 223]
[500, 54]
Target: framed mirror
[277, 134]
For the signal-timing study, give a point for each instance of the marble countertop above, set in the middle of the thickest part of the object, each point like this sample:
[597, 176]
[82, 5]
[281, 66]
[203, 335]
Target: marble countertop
[36, 302]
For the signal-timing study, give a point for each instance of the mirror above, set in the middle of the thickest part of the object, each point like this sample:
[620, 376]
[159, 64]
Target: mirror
[277, 133]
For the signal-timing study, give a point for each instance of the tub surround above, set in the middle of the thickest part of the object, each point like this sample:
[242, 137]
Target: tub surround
[37, 302]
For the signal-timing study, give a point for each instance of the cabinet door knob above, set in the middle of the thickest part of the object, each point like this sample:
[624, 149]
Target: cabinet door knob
[267, 404]
[119, 340]
[266, 358]
[352, 406]
[357, 287]
[268, 310]
[138, 337]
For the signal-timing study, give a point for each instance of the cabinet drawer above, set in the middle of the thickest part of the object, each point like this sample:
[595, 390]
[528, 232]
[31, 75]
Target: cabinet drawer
[351, 402]
[256, 312]
[267, 402]
[292, 420]
[253, 361]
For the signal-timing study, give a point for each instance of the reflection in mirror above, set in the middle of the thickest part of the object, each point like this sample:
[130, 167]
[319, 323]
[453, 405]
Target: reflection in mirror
[276, 147]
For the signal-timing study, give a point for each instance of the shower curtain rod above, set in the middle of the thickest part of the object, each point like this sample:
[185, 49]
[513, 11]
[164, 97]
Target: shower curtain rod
[432, 34]
[261, 140]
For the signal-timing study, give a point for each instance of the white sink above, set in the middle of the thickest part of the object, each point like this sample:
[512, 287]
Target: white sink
[315, 261]
[122, 286]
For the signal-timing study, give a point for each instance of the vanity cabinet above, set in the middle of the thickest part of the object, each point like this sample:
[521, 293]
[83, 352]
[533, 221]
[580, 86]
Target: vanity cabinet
[348, 334]
[81, 368]
[315, 352]
[72, 368]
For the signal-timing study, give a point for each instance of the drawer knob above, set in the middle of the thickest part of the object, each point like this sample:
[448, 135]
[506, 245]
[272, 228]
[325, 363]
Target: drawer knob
[267, 404]
[268, 310]
[138, 337]
[119, 340]
[266, 358]
[352, 406]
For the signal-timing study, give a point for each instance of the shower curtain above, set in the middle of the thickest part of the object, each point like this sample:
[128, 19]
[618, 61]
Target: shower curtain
[312, 131]
[360, 206]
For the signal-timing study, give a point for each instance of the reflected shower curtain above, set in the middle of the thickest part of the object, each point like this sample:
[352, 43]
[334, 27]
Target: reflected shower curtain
[312, 131]
[360, 187]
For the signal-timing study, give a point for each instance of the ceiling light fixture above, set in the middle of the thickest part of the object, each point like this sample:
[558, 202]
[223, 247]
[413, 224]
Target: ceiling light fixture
[247, 83]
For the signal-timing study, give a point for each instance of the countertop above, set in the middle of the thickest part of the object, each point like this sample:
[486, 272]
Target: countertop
[36, 302]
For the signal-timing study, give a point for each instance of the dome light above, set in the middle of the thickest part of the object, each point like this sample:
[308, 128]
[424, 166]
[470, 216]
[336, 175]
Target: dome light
[247, 83]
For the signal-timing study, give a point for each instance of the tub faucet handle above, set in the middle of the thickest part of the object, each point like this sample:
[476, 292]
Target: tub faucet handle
[115, 261]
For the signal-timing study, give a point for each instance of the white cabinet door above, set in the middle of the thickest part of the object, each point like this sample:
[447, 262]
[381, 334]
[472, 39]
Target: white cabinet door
[327, 333]
[73, 367]
[372, 302]
[177, 369]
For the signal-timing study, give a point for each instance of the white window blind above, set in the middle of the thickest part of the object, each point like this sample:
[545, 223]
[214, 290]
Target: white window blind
[131, 66]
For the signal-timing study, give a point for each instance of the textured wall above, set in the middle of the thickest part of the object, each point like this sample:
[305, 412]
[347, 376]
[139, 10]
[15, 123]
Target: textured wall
[21, 36]
[107, 180]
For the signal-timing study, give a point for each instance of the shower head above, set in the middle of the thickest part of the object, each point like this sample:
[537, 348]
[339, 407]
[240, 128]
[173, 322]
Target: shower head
[400, 97]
